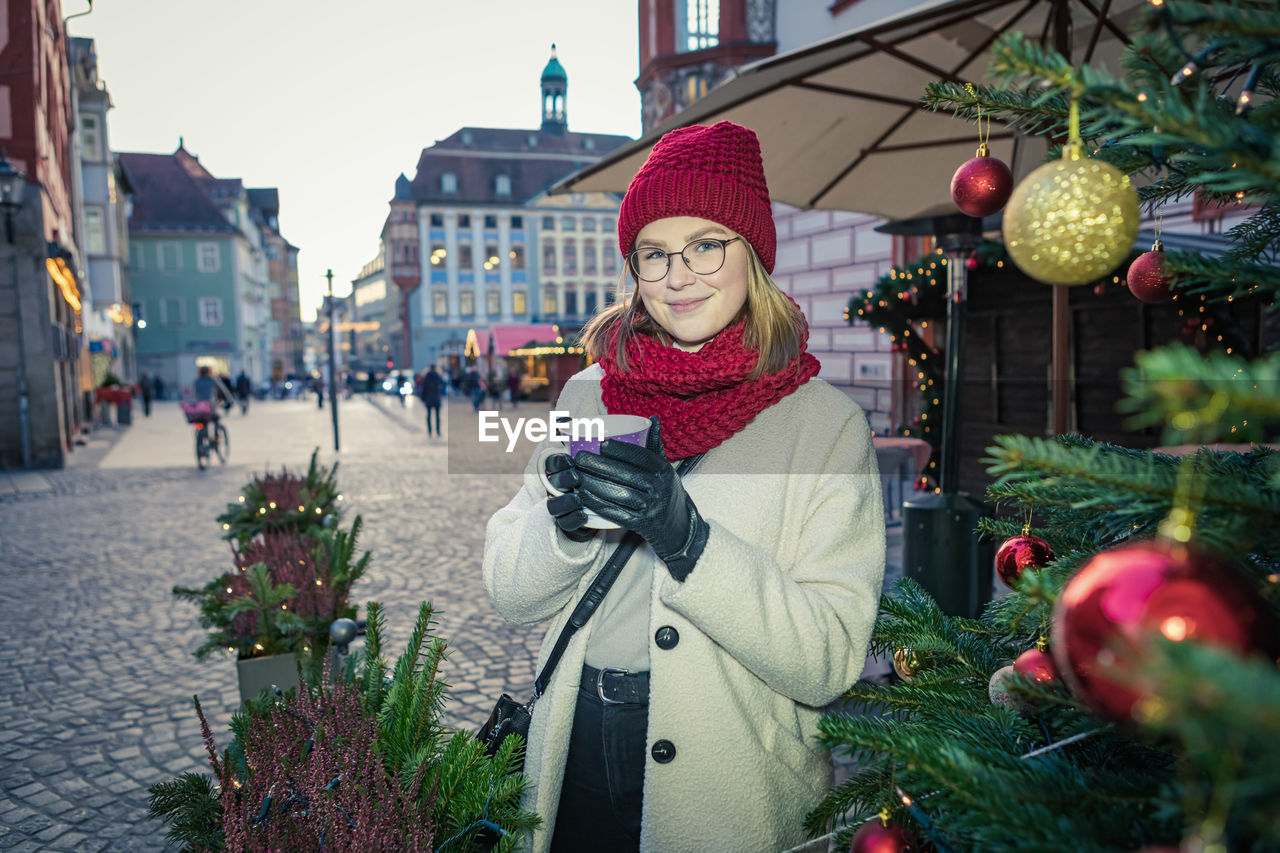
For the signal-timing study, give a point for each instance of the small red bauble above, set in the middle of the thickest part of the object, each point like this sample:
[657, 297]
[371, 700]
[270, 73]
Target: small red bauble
[981, 185]
[971, 263]
[1021, 552]
[1147, 278]
[874, 837]
[1109, 610]
[1036, 665]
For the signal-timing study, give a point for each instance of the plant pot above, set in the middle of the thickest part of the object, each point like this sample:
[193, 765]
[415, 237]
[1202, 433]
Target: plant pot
[258, 673]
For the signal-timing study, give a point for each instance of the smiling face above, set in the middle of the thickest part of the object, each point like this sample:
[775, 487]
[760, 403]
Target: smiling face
[690, 307]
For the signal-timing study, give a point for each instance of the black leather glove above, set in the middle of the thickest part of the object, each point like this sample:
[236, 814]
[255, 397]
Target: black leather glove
[566, 509]
[638, 489]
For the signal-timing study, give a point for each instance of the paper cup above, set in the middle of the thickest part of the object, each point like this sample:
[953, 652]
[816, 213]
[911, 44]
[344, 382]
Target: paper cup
[632, 429]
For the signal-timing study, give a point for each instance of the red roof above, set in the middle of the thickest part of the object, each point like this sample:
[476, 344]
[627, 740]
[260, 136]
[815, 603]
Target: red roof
[507, 338]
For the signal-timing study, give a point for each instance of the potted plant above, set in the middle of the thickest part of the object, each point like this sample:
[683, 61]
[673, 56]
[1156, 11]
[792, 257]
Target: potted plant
[291, 578]
[360, 762]
[118, 395]
[284, 502]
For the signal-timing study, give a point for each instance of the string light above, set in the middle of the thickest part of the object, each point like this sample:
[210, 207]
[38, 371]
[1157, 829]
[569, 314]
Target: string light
[1142, 96]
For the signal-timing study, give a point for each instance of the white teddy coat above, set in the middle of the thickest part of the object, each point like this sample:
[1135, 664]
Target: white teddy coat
[773, 623]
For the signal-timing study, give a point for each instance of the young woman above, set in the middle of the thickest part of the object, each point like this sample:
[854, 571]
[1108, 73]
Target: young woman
[682, 716]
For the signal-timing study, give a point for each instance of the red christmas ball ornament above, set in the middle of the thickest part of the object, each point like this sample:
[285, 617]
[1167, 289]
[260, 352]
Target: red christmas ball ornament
[981, 185]
[1147, 278]
[971, 263]
[1021, 552]
[1108, 613]
[1099, 290]
[877, 837]
[1036, 665]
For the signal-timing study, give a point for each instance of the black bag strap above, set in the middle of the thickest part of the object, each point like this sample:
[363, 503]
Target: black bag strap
[598, 590]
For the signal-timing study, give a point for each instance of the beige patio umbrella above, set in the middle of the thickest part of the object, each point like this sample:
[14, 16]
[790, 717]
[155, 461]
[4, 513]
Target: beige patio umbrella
[841, 123]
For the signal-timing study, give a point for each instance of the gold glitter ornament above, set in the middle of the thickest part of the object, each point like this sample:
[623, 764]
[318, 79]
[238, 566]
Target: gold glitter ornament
[1073, 220]
[905, 663]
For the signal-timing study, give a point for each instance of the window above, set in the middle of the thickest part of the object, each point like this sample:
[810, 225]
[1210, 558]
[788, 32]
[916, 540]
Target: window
[568, 223]
[607, 224]
[467, 302]
[448, 183]
[699, 26]
[548, 257]
[517, 257]
[532, 139]
[588, 257]
[549, 303]
[610, 263]
[589, 144]
[90, 138]
[440, 304]
[208, 258]
[438, 254]
[464, 220]
[464, 256]
[273, 252]
[169, 257]
[210, 311]
[502, 185]
[491, 259]
[570, 302]
[548, 223]
[492, 302]
[570, 259]
[95, 233]
[172, 312]
[590, 300]
[437, 220]
[491, 222]
[609, 298]
[517, 222]
[519, 304]
[589, 224]
[137, 252]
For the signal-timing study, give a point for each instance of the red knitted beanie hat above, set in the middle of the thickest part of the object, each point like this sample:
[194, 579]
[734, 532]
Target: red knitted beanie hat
[712, 173]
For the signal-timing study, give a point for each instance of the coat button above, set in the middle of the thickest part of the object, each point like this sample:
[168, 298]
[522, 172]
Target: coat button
[663, 751]
[667, 637]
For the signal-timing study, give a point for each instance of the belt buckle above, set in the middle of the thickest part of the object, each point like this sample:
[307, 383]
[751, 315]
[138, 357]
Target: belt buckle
[600, 684]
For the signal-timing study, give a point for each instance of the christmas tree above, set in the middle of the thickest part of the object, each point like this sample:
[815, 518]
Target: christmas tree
[1125, 696]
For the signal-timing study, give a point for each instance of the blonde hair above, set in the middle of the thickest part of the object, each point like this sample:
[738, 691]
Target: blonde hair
[774, 325]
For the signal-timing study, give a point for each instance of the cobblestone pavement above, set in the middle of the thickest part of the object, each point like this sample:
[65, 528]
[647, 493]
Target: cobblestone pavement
[96, 653]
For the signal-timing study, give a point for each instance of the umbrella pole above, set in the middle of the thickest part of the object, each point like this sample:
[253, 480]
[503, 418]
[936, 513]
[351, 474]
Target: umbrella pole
[957, 296]
[1061, 357]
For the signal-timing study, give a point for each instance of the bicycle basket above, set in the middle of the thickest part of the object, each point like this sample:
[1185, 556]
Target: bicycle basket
[197, 413]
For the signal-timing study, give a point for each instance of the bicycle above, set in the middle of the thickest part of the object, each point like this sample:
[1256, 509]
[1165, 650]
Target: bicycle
[211, 434]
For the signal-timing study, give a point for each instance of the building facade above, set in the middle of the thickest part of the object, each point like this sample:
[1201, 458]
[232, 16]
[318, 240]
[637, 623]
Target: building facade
[284, 330]
[480, 250]
[102, 224]
[44, 375]
[200, 271]
[375, 335]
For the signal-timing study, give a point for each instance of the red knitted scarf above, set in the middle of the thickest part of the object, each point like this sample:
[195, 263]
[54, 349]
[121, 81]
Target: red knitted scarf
[701, 398]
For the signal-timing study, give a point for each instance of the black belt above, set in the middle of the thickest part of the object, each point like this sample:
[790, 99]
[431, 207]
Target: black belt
[616, 686]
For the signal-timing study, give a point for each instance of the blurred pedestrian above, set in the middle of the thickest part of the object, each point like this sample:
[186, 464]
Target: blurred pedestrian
[429, 391]
[244, 387]
[495, 388]
[513, 386]
[159, 383]
[317, 385]
[144, 391]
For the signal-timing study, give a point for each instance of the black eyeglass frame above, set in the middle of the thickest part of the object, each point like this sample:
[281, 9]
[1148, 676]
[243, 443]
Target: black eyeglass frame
[724, 244]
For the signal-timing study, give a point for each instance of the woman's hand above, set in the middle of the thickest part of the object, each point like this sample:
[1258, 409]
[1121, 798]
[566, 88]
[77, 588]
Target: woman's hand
[638, 489]
[566, 509]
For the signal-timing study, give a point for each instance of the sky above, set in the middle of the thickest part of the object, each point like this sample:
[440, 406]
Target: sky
[330, 100]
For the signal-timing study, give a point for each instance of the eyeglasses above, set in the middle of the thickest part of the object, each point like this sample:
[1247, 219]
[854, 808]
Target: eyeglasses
[701, 257]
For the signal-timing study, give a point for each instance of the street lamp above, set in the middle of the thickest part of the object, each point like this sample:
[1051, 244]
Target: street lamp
[12, 184]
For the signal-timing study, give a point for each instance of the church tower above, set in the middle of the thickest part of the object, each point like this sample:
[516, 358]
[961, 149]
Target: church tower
[554, 85]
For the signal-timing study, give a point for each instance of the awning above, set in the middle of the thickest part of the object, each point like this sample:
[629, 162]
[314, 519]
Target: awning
[840, 121]
[507, 338]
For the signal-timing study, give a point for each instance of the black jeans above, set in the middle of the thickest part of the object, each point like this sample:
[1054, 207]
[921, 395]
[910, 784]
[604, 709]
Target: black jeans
[430, 409]
[603, 787]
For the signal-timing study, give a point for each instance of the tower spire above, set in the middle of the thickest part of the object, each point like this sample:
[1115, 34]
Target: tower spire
[555, 85]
